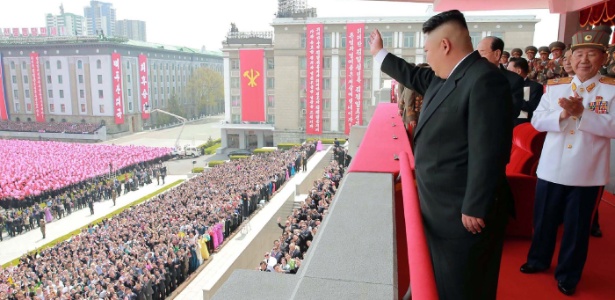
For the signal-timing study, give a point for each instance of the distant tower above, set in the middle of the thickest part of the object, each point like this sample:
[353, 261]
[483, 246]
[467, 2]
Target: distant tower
[62, 9]
[289, 8]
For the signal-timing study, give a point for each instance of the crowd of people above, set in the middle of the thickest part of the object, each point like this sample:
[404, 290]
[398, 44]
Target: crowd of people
[30, 168]
[147, 251]
[51, 127]
[300, 228]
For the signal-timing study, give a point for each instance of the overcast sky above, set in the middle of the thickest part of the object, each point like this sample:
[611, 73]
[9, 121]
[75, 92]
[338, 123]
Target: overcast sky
[197, 23]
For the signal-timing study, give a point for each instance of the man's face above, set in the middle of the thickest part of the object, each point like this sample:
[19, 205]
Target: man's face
[556, 52]
[566, 61]
[484, 49]
[504, 60]
[516, 55]
[544, 55]
[586, 62]
[434, 53]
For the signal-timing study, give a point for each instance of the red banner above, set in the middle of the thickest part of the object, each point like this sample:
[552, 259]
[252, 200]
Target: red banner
[43, 31]
[25, 32]
[54, 31]
[252, 89]
[34, 31]
[39, 109]
[313, 94]
[3, 111]
[143, 87]
[354, 75]
[7, 31]
[15, 32]
[118, 99]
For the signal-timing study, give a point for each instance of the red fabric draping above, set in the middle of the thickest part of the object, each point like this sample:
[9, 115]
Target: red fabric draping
[602, 13]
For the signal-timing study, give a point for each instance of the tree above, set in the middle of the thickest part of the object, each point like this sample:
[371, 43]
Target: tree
[206, 89]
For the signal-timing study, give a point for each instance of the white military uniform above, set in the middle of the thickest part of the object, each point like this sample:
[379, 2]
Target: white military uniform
[577, 151]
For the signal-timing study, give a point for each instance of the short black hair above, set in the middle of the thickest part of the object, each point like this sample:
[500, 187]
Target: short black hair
[496, 43]
[451, 16]
[521, 63]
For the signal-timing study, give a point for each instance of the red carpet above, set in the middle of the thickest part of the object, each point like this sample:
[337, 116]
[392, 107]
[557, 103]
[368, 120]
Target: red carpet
[598, 281]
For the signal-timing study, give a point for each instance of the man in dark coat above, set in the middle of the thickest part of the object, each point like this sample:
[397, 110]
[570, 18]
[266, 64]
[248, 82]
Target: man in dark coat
[532, 90]
[462, 145]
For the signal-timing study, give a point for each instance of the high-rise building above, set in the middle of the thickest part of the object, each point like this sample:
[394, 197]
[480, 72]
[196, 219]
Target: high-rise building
[131, 29]
[100, 16]
[66, 24]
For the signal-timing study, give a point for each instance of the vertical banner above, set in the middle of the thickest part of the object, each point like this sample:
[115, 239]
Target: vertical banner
[118, 100]
[39, 109]
[7, 31]
[354, 75]
[252, 91]
[54, 31]
[15, 32]
[313, 56]
[25, 32]
[43, 31]
[4, 113]
[34, 31]
[143, 87]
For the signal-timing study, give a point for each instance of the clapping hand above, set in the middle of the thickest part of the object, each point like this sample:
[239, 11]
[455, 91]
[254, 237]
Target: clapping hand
[573, 106]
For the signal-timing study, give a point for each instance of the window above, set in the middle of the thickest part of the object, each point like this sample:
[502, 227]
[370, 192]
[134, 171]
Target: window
[80, 78]
[60, 79]
[59, 65]
[28, 109]
[47, 65]
[50, 93]
[154, 78]
[270, 64]
[326, 83]
[52, 107]
[128, 78]
[98, 64]
[173, 78]
[23, 65]
[100, 80]
[13, 65]
[61, 94]
[408, 39]
[14, 79]
[155, 90]
[343, 62]
[476, 37]
[48, 79]
[128, 65]
[162, 90]
[327, 43]
[235, 119]
[79, 65]
[343, 41]
[303, 41]
[235, 101]
[130, 106]
[82, 108]
[101, 109]
[234, 64]
[15, 93]
[100, 94]
[499, 34]
[302, 63]
[326, 62]
[387, 40]
[129, 92]
[81, 94]
[27, 92]
[17, 107]
[234, 82]
[367, 85]
[326, 103]
[270, 82]
[367, 63]
[62, 107]
[270, 101]
[270, 119]
[25, 79]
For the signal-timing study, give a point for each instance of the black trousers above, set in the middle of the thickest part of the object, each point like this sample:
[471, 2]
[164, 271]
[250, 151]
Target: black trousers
[574, 206]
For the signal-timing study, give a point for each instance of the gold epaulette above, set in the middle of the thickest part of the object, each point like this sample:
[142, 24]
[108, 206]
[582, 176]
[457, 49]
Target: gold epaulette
[561, 80]
[607, 80]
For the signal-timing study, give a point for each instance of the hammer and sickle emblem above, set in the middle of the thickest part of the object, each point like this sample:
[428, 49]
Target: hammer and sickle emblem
[251, 75]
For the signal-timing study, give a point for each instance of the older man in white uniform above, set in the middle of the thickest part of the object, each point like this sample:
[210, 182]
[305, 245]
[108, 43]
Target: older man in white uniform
[574, 166]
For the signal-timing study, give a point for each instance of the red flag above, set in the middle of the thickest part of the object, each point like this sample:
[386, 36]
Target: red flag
[3, 111]
[314, 45]
[252, 88]
[118, 100]
[143, 87]
[354, 75]
[39, 109]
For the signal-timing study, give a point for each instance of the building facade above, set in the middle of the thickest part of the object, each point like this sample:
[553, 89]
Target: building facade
[131, 29]
[286, 80]
[100, 16]
[75, 81]
[66, 24]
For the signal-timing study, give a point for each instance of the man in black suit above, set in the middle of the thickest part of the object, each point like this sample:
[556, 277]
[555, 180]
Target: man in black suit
[492, 48]
[462, 145]
[532, 90]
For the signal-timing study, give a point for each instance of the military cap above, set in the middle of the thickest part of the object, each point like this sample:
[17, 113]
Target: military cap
[596, 38]
[544, 49]
[531, 49]
[557, 45]
[505, 54]
[517, 50]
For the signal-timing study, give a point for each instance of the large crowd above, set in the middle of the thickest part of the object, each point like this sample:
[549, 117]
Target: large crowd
[147, 251]
[52, 127]
[29, 168]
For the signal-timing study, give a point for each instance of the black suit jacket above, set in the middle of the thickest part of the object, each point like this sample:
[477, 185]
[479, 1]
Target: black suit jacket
[536, 92]
[462, 142]
[516, 88]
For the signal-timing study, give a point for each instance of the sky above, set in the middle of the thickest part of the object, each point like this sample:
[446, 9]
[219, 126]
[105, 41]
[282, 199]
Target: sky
[198, 23]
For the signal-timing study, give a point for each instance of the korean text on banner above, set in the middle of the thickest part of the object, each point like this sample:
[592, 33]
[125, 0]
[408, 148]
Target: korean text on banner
[118, 99]
[144, 87]
[39, 109]
[252, 89]
[354, 75]
[4, 115]
[313, 108]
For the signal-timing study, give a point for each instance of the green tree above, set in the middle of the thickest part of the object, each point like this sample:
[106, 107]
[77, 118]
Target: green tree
[175, 107]
[206, 89]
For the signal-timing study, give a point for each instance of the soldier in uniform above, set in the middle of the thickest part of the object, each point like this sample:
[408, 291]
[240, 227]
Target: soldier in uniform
[555, 66]
[574, 166]
[541, 64]
[530, 54]
[504, 59]
[516, 53]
